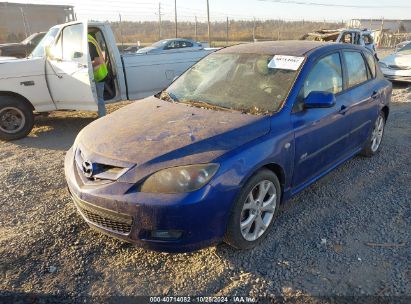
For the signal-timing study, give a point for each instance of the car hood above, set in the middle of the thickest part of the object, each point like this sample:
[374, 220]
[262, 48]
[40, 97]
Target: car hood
[398, 59]
[7, 45]
[153, 134]
[6, 59]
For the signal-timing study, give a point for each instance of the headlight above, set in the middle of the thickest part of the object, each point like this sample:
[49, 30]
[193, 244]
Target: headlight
[382, 64]
[179, 179]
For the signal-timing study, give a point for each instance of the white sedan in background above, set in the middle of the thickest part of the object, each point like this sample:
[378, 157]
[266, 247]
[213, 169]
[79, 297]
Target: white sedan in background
[397, 66]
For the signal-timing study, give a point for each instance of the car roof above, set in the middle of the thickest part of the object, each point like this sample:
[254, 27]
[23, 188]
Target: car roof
[177, 39]
[291, 48]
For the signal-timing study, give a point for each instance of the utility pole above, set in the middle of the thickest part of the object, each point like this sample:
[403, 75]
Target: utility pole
[25, 24]
[121, 34]
[159, 21]
[226, 33]
[209, 26]
[175, 16]
[254, 30]
[195, 29]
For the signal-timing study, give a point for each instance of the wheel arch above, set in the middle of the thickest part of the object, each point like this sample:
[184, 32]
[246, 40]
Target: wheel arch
[277, 169]
[386, 111]
[21, 97]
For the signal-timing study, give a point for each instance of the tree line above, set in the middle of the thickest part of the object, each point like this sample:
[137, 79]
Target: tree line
[238, 30]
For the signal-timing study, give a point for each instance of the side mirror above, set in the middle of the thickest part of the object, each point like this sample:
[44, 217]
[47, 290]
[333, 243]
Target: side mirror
[319, 100]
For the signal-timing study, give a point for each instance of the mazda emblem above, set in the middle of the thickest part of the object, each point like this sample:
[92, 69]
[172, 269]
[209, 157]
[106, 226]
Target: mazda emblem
[87, 168]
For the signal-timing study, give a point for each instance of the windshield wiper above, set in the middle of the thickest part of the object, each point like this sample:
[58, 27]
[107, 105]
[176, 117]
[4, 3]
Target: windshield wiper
[206, 105]
[164, 95]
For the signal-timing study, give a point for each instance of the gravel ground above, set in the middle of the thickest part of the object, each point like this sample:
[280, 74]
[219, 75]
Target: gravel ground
[348, 234]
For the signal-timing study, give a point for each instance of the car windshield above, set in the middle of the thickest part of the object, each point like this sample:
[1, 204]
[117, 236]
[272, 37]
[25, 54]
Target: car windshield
[159, 43]
[241, 82]
[406, 49]
[29, 38]
[39, 50]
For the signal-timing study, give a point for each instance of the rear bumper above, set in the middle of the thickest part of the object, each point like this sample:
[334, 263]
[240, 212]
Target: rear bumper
[398, 78]
[397, 75]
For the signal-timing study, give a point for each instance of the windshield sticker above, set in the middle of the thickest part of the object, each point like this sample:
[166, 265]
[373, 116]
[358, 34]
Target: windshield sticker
[285, 62]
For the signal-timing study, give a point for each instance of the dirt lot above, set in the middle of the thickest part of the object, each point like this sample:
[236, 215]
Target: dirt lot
[348, 234]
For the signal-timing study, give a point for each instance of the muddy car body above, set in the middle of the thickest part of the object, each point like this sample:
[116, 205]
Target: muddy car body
[212, 157]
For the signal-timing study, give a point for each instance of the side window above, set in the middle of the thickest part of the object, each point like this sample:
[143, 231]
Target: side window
[172, 45]
[185, 44]
[371, 63]
[347, 38]
[325, 76]
[73, 42]
[356, 68]
[368, 39]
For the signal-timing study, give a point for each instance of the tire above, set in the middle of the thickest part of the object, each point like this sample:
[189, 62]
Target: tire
[373, 144]
[16, 118]
[249, 211]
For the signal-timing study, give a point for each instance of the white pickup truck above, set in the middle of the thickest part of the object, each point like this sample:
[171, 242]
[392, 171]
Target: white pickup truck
[58, 75]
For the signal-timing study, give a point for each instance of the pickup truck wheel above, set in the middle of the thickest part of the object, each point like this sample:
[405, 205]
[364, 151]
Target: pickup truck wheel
[16, 118]
[254, 211]
[373, 143]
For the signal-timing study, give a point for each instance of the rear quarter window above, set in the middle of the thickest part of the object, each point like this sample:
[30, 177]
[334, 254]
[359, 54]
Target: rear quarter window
[371, 63]
[356, 68]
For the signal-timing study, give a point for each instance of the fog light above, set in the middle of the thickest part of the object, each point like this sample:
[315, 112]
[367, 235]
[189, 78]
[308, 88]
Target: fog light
[166, 234]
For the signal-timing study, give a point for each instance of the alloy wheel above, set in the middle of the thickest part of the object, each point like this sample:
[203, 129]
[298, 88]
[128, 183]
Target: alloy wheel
[377, 133]
[258, 210]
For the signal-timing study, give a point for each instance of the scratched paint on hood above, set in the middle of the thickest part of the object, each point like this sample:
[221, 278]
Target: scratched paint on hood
[155, 134]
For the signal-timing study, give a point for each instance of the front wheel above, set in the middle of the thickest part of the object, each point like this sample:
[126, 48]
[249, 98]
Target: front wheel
[16, 118]
[254, 211]
[373, 143]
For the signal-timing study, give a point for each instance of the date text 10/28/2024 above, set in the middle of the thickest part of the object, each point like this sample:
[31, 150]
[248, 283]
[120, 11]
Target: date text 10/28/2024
[201, 299]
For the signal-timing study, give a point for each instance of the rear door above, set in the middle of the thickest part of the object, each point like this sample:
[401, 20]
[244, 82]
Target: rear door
[69, 71]
[321, 135]
[364, 93]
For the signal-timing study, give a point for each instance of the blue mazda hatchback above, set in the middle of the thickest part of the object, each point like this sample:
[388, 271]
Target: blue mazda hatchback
[211, 158]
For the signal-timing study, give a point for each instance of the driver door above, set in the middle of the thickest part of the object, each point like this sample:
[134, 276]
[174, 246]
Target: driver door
[69, 72]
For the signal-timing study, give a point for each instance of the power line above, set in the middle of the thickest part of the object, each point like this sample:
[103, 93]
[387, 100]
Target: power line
[334, 5]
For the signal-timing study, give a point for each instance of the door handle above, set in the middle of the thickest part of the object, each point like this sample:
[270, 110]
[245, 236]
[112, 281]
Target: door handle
[80, 65]
[375, 95]
[343, 110]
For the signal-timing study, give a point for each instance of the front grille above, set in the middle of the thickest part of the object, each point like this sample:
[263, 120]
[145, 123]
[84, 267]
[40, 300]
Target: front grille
[117, 222]
[107, 222]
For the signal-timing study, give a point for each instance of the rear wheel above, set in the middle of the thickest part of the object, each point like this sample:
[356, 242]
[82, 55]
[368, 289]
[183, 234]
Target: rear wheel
[374, 141]
[254, 211]
[16, 118]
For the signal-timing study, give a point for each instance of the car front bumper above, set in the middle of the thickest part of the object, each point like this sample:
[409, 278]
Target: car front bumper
[161, 222]
[397, 75]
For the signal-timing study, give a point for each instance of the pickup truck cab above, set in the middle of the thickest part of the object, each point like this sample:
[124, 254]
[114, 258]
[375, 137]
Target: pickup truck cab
[58, 75]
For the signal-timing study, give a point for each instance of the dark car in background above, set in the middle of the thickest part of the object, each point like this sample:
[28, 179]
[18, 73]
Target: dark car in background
[21, 49]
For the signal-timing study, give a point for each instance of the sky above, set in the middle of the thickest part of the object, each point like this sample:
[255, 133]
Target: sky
[187, 10]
